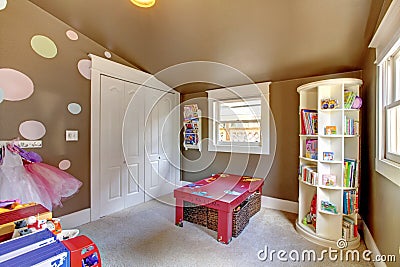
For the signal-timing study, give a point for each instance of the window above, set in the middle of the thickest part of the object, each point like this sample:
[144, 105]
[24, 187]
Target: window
[387, 43]
[239, 119]
[392, 107]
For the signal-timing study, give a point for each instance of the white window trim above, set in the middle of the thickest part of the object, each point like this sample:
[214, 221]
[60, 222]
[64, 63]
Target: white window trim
[386, 40]
[240, 92]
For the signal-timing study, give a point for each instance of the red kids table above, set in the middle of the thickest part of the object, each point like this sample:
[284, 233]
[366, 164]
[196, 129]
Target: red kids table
[222, 192]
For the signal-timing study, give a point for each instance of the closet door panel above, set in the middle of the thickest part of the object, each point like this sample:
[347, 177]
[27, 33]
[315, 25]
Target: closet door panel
[154, 177]
[111, 180]
[115, 183]
[133, 174]
[153, 183]
[133, 138]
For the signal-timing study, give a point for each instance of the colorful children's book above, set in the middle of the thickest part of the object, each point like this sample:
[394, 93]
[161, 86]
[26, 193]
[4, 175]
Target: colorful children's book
[329, 179]
[330, 130]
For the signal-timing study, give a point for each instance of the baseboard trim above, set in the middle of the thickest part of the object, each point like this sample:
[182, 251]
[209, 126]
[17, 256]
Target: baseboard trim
[370, 243]
[75, 219]
[279, 204]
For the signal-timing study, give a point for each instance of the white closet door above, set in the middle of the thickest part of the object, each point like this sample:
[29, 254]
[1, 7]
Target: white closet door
[159, 148]
[111, 159]
[122, 178]
[133, 144]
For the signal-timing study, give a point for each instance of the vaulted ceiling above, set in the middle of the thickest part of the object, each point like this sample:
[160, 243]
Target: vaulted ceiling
[268, 40]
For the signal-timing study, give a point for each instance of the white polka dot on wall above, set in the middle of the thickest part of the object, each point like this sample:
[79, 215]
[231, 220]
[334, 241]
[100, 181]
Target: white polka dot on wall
[72, 35]
[44, 46]
[32, 130]
[3, 4]
[1, 95]
[84, 68]
[74, 108]
[64, 164]
[107, 54]
[16, 85]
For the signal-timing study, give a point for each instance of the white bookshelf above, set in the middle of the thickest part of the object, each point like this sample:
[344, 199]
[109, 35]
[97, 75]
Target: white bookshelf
[330, 225]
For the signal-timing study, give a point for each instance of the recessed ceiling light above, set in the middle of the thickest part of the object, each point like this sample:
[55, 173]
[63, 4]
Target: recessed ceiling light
[144, 3]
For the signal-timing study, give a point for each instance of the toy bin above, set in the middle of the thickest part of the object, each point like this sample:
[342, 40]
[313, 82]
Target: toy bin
[36, 249]
[83, 252]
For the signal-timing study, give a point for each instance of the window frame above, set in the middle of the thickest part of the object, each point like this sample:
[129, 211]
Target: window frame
[239, 93]
[386, 41]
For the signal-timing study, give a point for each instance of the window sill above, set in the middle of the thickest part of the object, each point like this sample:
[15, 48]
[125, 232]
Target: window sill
[238, 149]
[388, 169]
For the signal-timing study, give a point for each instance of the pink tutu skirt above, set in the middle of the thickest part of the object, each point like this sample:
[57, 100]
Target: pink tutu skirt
[58, 184]
[17, 183]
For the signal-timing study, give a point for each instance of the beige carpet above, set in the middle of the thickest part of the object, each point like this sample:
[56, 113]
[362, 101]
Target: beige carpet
[145, 235]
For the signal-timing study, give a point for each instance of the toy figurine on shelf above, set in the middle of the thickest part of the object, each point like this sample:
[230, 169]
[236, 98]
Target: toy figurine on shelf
[329, 103]
[311, 217]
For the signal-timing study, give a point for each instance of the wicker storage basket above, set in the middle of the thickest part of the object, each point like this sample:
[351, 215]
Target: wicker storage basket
[240, 219]
[208, 217]
[254, 203]
[195, 213]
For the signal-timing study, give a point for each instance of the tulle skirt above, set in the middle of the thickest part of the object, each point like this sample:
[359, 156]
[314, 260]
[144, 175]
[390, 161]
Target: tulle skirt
[58, 184]
[15, 182]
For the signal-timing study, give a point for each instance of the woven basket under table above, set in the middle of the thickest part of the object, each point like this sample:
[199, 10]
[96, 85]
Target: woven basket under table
[254, 203]
[194, 213]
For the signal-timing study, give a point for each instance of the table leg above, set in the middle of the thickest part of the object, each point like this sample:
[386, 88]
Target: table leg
[179, 212]
[224, 226]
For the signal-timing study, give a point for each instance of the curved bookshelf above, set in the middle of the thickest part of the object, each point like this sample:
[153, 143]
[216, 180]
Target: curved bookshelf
[336, 181]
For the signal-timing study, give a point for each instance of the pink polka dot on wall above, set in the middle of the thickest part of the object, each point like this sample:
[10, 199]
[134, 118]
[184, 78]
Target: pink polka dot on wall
[72, 35]
[84, 66]
[16, 85]
[64, 164]
[32, 130]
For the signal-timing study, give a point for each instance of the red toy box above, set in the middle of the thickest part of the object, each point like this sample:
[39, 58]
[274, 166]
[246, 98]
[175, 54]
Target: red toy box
[83, 252]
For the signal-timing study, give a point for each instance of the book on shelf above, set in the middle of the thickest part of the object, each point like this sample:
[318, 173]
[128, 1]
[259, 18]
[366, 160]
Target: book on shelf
[328, 207]
[312, 148]
[309, 121]
[349, 97]
[330, 130]
[328, 156]
[351, 126]
[329, 179]
[308, 173]
[350, 202]
[349, 230]
[350, 173]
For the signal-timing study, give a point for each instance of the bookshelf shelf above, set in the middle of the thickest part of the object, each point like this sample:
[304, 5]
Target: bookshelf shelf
[331, 180]
[307, 183]
[330, 187]
[329, 213]
[331, 135]
[331, 161]
[309, 135]
[308, 159]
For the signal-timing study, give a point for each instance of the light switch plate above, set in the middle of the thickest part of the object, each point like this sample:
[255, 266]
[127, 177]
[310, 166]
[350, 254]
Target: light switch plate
[71, 135]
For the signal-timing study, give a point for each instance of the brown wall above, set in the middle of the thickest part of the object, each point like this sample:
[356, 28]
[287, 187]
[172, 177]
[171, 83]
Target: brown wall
[378, 195]
[57, 83]
[281, 180]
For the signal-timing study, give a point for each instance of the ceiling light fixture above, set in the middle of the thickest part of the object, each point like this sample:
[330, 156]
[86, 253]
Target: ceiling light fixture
[144, 3]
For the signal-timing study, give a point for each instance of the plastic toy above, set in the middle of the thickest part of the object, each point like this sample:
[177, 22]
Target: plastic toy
[329, 103]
